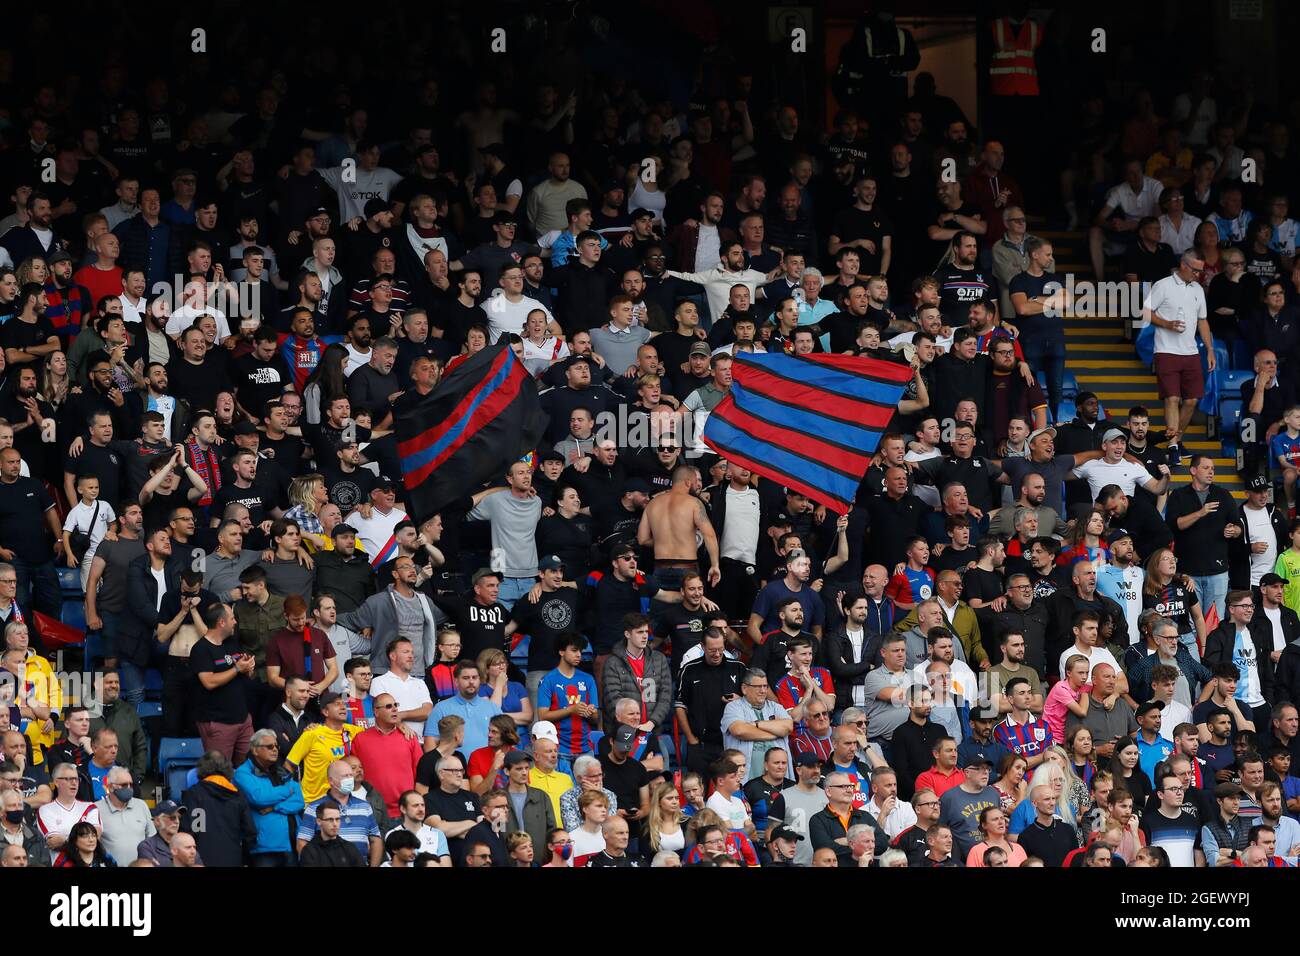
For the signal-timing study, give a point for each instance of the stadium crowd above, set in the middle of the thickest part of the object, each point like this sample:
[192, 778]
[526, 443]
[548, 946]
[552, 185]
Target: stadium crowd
[1022, 645]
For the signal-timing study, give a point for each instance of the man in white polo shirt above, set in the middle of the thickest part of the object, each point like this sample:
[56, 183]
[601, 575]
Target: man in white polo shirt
[1176, 307]
[1112, 468]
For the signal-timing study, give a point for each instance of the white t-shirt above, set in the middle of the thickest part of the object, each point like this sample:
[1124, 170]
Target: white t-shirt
[538, 358]
[1274, 616]
[364, 185]
[707, 248]
[731, 809]
[1260, 528]
[506, 316]
[741, 529]
[1175, 713]
[584, 843]
[55, 818]
[1171, 298]
[375, 532]
[356, 359]
[410, 694]
[132, 312]
[184, 317]
[1099, 473]
[79, 519]
[431, 840]
[1135, 205]
[1095, 655]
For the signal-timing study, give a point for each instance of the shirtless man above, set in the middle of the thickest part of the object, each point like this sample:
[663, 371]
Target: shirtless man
[671, 521]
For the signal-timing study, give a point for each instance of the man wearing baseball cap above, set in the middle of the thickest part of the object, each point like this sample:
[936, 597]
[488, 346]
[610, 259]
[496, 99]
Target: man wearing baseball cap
[1121, 579]
[1264, 530]
[1116, 467]
[1044, 460]
[960, 806]
[167, 821]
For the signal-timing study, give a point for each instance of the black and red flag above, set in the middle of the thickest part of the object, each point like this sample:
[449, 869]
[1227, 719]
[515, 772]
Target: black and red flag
[480, 418]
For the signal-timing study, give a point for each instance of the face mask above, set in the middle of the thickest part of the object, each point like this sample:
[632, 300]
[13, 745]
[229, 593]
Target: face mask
[124, 794]
[565, 851]
[348, 784]
[14, 816]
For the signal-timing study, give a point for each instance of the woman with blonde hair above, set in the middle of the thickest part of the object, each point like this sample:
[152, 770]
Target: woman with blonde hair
[35, 269]
[511, 696]
[1048, 774]
[663, 826]
[308, 495]
[1076, 791]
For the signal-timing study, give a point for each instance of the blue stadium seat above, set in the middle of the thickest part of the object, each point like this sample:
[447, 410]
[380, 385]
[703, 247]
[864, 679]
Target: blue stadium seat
[596, 736]
[1069, 385]
[1230, 382]
[1241, 355]
[519, 655]
[148, 708]
[1230, 410]
[153, 684]
[176, 756]
[94, 648]
[1065, 411]
[69, 581]
[73, 613]
[668, 751]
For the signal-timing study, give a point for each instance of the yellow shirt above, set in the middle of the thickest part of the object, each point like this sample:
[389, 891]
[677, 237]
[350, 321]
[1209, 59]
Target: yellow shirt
[46, 690]
[315, 750]
[553, 784]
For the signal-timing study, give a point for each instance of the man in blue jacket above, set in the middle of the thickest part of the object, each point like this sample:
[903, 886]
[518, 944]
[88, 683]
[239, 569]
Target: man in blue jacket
[275, 799]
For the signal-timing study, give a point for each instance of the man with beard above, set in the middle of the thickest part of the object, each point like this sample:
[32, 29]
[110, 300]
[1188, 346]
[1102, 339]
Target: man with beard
[28, 338]
[960, 282]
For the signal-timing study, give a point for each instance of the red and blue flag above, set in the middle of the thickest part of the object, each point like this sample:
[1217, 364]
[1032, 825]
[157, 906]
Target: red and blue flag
[810, 422]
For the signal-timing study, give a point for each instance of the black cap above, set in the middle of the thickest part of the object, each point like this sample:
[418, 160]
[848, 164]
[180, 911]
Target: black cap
[637, 484]
[58, 255]
[551, 455]
[1258, 483]
[624, 739]
[785, 833]
[245, 428]
[504, 217]
[807, 759]
[329, 697]
[343, 528]
[374, 207]
[1116, 534]
[977, 759]
[1149, 706]
[550, 562]
[1228, 789]
[642, 213]
[516, 757]
[319, 210]
[383, 481]
[1270, 579]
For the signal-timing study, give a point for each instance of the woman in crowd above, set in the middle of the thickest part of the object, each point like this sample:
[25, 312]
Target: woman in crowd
[1168, 591]
[308, 494]
[83, 848]
[663, 826]
[993, 822]
[1078, 744]
[1011, 783]
[1128, 775]
[511, 696]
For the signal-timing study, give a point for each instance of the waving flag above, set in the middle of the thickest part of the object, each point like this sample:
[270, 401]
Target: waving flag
[811, 422]
[479, 419]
